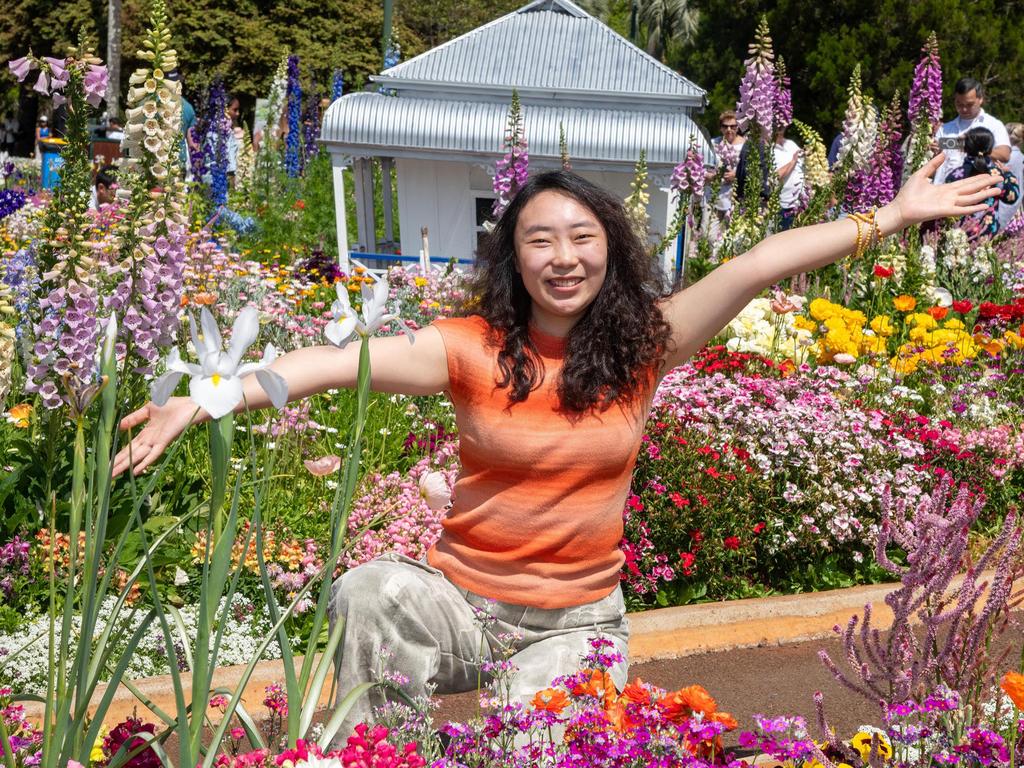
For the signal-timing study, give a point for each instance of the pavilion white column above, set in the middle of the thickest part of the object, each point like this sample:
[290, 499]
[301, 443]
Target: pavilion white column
[362, 175]
[386, 165]
[668, 256]
[340, 212]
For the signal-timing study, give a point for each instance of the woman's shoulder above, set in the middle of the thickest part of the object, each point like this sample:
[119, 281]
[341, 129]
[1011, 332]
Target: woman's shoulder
[469, 328]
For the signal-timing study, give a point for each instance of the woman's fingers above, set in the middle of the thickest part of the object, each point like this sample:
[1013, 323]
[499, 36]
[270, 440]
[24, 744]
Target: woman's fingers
[135, 418]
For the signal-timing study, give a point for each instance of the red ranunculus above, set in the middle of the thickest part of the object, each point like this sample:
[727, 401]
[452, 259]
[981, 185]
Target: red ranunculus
[882, 272]
[963, 306]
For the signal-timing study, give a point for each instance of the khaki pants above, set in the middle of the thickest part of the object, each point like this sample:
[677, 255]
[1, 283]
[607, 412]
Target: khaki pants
[427, 623]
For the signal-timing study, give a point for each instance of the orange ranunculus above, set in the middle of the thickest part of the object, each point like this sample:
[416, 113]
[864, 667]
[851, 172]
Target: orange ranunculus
[550, 699]
[904, 303]
[725, 719]
[994, 347]
[20, 415]
[599, 685]
[678, 706]
[637, 693]
[1013, 684]
[938, 313]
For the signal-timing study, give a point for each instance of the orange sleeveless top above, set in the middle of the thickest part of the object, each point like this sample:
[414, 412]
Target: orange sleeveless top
[536, 517]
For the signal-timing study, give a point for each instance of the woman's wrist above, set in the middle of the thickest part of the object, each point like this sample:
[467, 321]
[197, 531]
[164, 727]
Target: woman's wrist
[889, 219]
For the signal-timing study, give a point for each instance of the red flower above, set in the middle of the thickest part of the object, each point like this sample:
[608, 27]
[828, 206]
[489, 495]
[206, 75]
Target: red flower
[697, 537]
[938, 313]
[679, 500]
[882, 272]
[687, 559]
[963, 306]
[300, 204]
[732, 542]
[758, 528]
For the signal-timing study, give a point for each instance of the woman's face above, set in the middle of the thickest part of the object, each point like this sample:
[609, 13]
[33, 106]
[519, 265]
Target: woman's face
[562, 256]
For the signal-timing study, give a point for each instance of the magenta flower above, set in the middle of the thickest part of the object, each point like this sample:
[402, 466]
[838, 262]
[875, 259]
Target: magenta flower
[57, 69]
[758, 89]
[21, 67]
[688, 176]
[926, 89]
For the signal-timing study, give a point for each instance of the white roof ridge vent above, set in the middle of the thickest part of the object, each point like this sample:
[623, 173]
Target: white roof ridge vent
[558, 6]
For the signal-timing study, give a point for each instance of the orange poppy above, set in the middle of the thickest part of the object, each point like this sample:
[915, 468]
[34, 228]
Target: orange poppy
[551, 700]
[1013, 684]
[725, 719]
[698, 699]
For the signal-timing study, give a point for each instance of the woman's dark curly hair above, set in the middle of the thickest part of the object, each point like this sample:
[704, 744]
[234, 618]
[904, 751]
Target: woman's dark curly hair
[612, 349]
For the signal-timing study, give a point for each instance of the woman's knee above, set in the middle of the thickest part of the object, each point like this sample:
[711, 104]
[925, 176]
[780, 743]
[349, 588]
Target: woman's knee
[378, 587]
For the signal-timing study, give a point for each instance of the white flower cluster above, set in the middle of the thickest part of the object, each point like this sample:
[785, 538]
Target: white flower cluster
[27, 671]
[860, 126]
[759, 329]
[153, 117]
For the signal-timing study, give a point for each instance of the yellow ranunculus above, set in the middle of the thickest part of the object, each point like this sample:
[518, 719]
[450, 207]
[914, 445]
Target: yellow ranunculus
[904, 303]
[821, 309]
[875, 345]
[954, 324]
[882, 325]
[804, 324]
[922, 320]
[834, 323]
[1014, 340]
[904, 365]
[917, 334]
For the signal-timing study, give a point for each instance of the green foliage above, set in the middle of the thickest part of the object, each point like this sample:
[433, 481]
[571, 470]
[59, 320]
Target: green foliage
[822, 42]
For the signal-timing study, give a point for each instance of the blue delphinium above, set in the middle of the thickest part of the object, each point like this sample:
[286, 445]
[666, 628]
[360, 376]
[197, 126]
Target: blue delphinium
[20, 275]
[243, 225]
[337, 85]
[310, 130]
[217, 138]
[294, 96]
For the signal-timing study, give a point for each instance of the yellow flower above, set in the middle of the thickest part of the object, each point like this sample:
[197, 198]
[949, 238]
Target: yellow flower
[96, 755]
[1014, 340]
[804, 324]
[875, 345]
[882, 325]
[904, 303]
[420, 282]
[922, 320]
[862, 742]
[954, 324]
[821, 309]
[917, 334]
[904, 365]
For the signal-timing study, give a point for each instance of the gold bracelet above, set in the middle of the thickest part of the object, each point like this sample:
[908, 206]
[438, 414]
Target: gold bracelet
[863, 243]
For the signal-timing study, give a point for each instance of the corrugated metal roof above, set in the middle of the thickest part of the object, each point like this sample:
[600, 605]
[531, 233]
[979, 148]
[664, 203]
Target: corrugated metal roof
[373, 124]
[548, 45]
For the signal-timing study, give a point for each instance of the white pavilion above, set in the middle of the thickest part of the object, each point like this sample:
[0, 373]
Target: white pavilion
[439, 121]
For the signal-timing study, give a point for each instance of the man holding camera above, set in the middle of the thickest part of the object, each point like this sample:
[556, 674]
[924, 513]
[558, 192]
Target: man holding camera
[968, 98]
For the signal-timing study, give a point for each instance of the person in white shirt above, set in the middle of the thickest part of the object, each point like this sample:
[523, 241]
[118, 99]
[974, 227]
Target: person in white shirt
[790, 168]
[968, 98]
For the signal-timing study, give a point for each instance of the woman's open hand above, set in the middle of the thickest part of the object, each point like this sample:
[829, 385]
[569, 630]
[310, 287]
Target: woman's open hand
[920, 200]
[163, 425]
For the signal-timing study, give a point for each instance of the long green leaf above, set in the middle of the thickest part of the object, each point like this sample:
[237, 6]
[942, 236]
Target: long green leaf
[315, 688]
[341, 712]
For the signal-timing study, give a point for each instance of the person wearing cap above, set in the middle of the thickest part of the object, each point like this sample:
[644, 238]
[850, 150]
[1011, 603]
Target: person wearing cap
[42, 132]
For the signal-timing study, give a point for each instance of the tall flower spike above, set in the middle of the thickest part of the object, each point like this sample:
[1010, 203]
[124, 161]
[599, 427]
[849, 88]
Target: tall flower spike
[783, 114]
[563, 148]
[816, 173]
[758, 90]
[636, 203]
[925, 103]
[511, 171]
[688, 176]
[860, 125]
[294, 103]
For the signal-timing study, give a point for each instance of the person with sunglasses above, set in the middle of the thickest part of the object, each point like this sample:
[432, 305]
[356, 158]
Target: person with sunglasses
[727, 149]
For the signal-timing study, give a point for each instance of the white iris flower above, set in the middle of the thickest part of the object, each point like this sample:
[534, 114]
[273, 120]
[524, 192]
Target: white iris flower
[216, 383]
[347, 323]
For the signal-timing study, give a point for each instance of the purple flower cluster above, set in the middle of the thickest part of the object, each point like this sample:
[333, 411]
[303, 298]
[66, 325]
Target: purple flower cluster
[293, 94]
[65, 348]
[25, 742]
[14, 565]
[150, 322]
[878, 184]
[310, 130]
[784, 738]
[783, 98]
[55, 74]
[11, 200]
[688, 176]
[926, 89]
[759, 88]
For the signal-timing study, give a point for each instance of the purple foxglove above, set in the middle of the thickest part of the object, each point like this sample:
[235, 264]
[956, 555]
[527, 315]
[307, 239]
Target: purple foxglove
[20, 67]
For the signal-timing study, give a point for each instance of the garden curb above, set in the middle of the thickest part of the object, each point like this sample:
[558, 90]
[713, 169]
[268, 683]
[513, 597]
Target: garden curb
[663, 633]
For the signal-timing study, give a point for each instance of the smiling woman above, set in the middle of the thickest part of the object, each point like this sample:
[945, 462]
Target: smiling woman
[551, 374]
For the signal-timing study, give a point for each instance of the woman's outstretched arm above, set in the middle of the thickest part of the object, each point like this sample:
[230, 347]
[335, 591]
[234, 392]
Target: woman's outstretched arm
[701, 311]
[395, 366]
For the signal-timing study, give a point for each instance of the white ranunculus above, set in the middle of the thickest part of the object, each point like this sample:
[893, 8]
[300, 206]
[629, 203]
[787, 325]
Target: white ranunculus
[434, 490]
